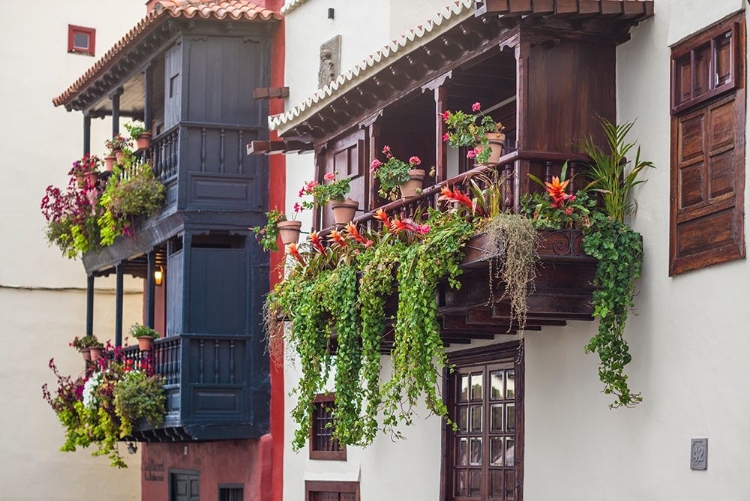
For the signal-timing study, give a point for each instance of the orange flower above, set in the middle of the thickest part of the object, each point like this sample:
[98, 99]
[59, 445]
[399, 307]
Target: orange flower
[381, 216]
[293, 249]
[556, 191]
[316, 243]
[459, 197]
[353, 232]
[338, 239]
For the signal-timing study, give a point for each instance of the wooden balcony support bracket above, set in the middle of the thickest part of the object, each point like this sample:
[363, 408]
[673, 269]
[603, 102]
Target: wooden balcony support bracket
[270, 93]
[277, 147]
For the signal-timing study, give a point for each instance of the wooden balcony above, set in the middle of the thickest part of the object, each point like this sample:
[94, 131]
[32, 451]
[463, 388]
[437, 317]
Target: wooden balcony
[210, 394]
[562, 288]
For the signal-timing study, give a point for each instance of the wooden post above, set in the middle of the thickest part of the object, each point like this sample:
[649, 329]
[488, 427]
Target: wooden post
[86, 134]
[521, 174]
[441, 147]
[148, 75]
[118, 304]
[151, 289]
[90, 305]
[116, 112]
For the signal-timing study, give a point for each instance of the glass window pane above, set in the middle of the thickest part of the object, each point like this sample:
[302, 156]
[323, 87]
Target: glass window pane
[722, 60]
[476, 386]
[463, 389]
[476, 418]
[462, 451]
[510, 452]
[475, 446]
[80, 40]
[475, 483]
[463, 419]
[510, 485]
[461, 486]
[497, 385]
[510, 389]
[496, 417]
[510, 418]
[496, 484]
[496, 451]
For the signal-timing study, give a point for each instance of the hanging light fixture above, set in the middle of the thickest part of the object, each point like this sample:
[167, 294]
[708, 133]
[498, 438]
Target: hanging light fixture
[158, 275]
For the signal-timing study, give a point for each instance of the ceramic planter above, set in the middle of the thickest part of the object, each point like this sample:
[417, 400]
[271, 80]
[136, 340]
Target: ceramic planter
[81, 181]
[96, 353]
[118, 155]
[412, 188]
[289, 231]
[109, 162]
[92, 178]
[143, 141]
[86, 354]
[145, 343]
[497, 139]
[343, 212]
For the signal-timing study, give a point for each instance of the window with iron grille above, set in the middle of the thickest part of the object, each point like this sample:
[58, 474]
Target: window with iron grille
[81, 40]
[231, 492]
[322, 443]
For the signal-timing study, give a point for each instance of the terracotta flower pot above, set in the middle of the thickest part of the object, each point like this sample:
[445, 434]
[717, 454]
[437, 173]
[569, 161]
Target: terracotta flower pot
[86, 354]
[145, 343]
[143, 141]
[289, 231]
[81, 181]
[343, 212]
[109, 162]
[413, 186]
[96, 353]
[92, 178]
[497, 139]
[118, 155]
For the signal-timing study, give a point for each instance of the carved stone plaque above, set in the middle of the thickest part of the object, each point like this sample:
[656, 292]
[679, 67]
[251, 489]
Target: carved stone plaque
[330, 61]
[699, 454]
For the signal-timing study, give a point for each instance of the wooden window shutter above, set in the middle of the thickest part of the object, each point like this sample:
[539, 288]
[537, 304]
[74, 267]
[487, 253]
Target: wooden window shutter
[346, 157]
[708, 150]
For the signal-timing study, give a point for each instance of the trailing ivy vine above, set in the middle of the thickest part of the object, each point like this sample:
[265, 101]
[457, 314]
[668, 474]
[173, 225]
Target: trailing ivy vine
[620, 253]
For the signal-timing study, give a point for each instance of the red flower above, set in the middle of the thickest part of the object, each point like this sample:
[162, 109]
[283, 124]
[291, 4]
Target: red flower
[415, 161]
[375, 165]
[297, 207]
[316, 243]
[471, 154]
[446, 137]
[352, 231]
[569, 211]
[446, 116]
[330, 176]
[461, 198]
[476, 107]
[556, 191]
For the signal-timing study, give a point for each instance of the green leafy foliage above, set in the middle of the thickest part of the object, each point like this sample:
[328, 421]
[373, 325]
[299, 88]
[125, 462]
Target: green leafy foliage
[464, 130]
[268, 235]
[139, 396]
[620, 253]
[392, 174]
[137, 330]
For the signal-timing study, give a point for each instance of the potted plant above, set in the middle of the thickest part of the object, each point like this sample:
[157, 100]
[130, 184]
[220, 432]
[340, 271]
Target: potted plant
[331, 190]
[278, 226]
[88, 346]
[485, 138]
[144, 335]
[138, 132]
[396, 175]
[117, 146]
[86, 170]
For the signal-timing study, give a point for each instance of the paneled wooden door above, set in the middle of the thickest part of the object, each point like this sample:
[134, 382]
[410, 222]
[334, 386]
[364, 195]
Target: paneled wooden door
[481, 450]
[184, 486]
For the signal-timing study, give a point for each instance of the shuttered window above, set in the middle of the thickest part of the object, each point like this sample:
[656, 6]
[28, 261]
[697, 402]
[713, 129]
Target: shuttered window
[331, 491]
[322, 443]
[708, 151]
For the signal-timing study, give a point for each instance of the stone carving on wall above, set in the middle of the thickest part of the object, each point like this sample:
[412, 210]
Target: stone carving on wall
[330, 61]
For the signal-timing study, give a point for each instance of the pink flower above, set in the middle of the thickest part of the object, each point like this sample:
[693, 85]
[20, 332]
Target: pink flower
[476, 107]
[569, 211]
[386, 150]
[423, 229]
[330, 176]
[415, 161]
[309, 186]
[446, 137]
[297, 207]
[446, 116]
[375, 164]
[301, 192]
[471, 154]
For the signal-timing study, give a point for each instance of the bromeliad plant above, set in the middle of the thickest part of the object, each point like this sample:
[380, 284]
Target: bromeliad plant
[464, 130]
[393, 173]
[102, 407]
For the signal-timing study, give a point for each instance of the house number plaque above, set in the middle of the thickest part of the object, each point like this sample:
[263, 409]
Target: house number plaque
[699, 454]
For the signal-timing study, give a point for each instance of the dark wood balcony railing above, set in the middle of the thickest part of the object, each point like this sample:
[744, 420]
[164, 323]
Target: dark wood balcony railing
[207, 384]
[163, 153]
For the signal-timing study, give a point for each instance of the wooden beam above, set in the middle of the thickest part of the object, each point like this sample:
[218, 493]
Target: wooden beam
[270, 92]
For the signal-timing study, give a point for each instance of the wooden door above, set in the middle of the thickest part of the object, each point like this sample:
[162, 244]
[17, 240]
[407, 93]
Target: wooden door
[172, 86]
[347, 157]
[184, 486]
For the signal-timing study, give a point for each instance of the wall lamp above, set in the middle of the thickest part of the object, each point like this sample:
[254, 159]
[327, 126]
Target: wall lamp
[158, 275]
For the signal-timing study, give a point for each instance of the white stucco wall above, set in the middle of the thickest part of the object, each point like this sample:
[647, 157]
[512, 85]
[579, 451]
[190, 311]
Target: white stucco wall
[39, 144]
[688, 337]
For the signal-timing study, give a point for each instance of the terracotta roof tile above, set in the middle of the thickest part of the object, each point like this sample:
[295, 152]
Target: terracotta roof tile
[237, 10]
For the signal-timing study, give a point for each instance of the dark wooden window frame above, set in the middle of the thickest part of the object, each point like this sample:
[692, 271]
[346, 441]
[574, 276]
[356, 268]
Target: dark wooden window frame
[734, 89]
[341, 487]
[485, 355]
[231, 486]
[90, 32]
[339, 455]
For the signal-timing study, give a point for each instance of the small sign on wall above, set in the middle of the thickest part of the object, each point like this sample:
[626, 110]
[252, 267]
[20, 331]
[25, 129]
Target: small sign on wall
[699, 454]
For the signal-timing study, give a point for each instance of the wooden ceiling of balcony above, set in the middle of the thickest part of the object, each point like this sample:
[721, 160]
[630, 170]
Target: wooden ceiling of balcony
[635, 10]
